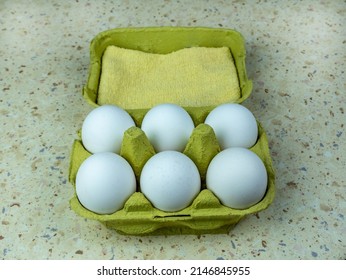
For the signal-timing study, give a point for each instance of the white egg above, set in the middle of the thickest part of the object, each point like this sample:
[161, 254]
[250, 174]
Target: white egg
[234, 126]
[104, 127]
[170, 180]
[168, 127]
[238, 177]
[104, 182]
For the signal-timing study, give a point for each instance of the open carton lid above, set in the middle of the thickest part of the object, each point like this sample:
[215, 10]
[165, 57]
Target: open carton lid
[166, 40]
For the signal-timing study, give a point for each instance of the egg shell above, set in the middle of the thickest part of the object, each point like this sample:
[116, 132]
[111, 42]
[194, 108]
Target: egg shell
[104, 182]
[104, 127]
[238, 177]
[168, 127]
[170, 180]
[234, 125]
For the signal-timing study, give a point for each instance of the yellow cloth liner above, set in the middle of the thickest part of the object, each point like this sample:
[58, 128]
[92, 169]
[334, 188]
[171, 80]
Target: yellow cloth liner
[196, 76]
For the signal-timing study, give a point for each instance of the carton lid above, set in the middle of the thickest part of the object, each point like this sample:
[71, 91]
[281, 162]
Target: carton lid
[165, 40]
[194, 77]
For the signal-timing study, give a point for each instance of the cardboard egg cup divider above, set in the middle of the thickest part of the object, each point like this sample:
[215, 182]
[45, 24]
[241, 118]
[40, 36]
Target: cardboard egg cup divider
[206, 214]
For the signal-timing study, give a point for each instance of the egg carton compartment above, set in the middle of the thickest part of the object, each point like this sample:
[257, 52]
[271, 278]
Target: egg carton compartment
[205, 214]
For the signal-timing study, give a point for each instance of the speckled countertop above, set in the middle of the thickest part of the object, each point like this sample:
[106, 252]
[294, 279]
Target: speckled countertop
[296, 59]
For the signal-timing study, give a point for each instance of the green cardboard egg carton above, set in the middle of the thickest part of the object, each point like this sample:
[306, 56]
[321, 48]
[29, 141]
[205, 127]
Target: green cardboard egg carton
[206, 214]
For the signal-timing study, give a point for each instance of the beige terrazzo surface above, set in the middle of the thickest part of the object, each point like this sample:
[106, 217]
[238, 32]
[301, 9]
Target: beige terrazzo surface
[296, 59]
